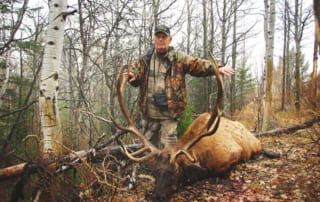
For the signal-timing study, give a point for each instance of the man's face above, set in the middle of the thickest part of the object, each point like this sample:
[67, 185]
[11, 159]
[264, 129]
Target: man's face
[161, 42]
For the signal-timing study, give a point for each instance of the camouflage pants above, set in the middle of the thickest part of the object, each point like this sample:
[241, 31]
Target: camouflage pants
[161, 133]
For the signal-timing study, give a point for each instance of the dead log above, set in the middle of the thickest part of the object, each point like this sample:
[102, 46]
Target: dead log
[278, 131]
[11, 171]
[67, 162]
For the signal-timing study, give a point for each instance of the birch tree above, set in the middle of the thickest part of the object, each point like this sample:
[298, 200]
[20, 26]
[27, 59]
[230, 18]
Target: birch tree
[269, 29]
[48, 98]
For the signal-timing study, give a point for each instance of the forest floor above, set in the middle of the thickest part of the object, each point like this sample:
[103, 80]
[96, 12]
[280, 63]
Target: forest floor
[292, 177]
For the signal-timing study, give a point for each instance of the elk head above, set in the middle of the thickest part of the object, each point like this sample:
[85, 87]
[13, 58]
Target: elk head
[171, 163]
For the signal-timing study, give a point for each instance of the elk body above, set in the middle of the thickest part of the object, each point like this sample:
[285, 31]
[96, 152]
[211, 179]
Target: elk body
[210, 146]
[211, 156]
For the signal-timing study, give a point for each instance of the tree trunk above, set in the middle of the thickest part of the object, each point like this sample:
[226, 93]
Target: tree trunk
[297, 58]
[155, 7]
[269, 34]
[314, 75]
[224, 32]
[234, 58]
[205, 28]
[48, 99]
[288, 60]
[4, 80]
[316, 13]
[212, 26]
[207, 82]
[189, 17]
[316, 10]
[284, 63]
[83, 124]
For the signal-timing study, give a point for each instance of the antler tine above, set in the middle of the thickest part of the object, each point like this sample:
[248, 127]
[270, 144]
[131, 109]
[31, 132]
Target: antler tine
[120, 83]
[215, 114]
[139, 159]
[216, 110]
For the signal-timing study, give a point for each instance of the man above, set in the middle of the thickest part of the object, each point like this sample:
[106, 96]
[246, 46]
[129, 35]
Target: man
[161, 77]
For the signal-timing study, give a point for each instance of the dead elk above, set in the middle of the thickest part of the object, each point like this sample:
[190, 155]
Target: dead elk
[211, 156]
[211, 145]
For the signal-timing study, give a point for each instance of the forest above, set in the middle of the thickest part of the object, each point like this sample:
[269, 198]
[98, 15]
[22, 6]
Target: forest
[60, 97]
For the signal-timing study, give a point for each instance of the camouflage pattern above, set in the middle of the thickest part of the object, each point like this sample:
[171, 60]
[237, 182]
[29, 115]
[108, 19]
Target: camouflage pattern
[179, 64]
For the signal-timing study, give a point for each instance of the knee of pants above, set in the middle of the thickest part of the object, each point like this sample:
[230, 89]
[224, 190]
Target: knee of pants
[168, 128]
[168, 132]
[151, 129]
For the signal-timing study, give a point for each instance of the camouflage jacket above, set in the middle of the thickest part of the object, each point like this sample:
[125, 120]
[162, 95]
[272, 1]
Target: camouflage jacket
[179, 64]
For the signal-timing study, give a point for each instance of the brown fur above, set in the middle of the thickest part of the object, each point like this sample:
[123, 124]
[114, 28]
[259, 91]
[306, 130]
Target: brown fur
[214, 154]
[230, 144]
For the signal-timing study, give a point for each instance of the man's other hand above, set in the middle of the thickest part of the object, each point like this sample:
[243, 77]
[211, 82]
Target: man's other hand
[228, 71]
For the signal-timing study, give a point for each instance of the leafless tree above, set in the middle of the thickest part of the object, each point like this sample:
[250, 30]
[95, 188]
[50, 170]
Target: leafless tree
[300, 21]
[269, 29]
[49, 86]
[316, 14]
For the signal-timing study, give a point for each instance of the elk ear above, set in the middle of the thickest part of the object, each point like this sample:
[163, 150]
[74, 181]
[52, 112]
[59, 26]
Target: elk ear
[180, 152]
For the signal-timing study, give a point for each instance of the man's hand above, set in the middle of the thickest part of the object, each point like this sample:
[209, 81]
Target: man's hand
[129, 76]
[228, 71]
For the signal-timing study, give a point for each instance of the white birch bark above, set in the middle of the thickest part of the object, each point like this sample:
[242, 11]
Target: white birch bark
[269, 37]
[49, 112]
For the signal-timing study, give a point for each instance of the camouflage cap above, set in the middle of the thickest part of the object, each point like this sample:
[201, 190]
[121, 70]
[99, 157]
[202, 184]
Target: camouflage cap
[162, 29]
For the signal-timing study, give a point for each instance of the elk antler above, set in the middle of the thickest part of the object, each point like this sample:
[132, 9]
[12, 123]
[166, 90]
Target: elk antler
[216, 110]
[214, 118]
[148, 146]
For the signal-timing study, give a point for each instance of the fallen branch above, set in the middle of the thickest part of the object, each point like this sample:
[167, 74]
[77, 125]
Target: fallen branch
[68, 161]
[291, 129]
[11, 171]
